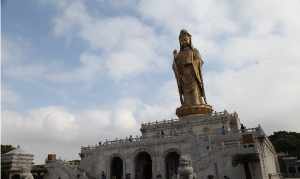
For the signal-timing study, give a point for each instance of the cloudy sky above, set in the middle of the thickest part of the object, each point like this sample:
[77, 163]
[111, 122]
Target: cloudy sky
[75, 72]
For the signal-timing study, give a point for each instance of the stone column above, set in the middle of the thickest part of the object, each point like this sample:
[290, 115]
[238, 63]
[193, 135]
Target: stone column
[155, 164]
[129, 171]
[160, 167]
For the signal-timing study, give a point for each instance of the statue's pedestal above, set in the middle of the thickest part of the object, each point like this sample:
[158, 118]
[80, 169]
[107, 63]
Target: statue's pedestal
[196, 109]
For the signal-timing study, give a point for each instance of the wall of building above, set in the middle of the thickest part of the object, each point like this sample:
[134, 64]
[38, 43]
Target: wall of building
[268, 158]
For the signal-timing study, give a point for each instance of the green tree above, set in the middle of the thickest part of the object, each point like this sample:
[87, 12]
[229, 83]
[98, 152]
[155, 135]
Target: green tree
[287, 142]
[6, 148]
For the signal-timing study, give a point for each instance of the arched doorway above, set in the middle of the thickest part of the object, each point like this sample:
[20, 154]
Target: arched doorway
[172, 163]
[116, 168]
[143, 166]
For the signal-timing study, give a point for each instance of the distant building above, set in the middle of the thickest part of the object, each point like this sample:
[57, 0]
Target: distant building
[16, 164]
[56, 168]
[38, 171]
[290, 166]
[73, 163]
[59, 169]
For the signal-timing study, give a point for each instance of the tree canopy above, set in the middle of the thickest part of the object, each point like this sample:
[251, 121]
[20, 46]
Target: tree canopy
[6, 148]
[287, 142]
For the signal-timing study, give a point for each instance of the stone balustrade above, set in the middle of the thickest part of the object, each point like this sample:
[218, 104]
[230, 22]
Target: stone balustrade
[234, 141]
[223, 113]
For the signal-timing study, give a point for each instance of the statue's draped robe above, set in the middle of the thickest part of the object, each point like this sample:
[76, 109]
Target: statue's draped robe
[187, 68]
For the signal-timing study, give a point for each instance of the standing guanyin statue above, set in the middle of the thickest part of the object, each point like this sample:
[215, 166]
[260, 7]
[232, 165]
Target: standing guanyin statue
[187, 68]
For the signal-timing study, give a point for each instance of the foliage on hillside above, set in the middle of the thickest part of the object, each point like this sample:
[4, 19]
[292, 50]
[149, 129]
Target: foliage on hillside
[287, 142]
[6, 148]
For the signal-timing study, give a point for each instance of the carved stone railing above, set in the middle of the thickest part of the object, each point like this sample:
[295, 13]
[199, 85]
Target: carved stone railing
[236, 143]
[159, 122]
[164, 122]
[129, 141]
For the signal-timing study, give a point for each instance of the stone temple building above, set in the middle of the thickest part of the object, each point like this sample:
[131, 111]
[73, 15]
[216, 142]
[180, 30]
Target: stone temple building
[215, 145]
[200, 143]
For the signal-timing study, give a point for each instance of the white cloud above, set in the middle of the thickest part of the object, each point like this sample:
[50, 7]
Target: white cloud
[260, 77]
[264, 93]
[267, 16]
[165, 103]
[130, 47]
[17, 61]
[61, 130]
[205, 19]
[89, 69]
[50, 123]
[255, 49]
[127, 44]
[54, 129]
[55, 126]
[74, 14]
[20, 66]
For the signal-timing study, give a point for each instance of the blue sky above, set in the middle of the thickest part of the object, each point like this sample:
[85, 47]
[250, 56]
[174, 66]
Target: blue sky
[75, 72]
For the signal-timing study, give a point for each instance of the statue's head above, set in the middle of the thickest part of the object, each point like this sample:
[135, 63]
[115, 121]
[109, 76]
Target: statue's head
[185, 39]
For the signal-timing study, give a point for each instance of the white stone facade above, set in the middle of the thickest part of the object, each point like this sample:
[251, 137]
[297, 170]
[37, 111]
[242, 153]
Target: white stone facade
[215, 144]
